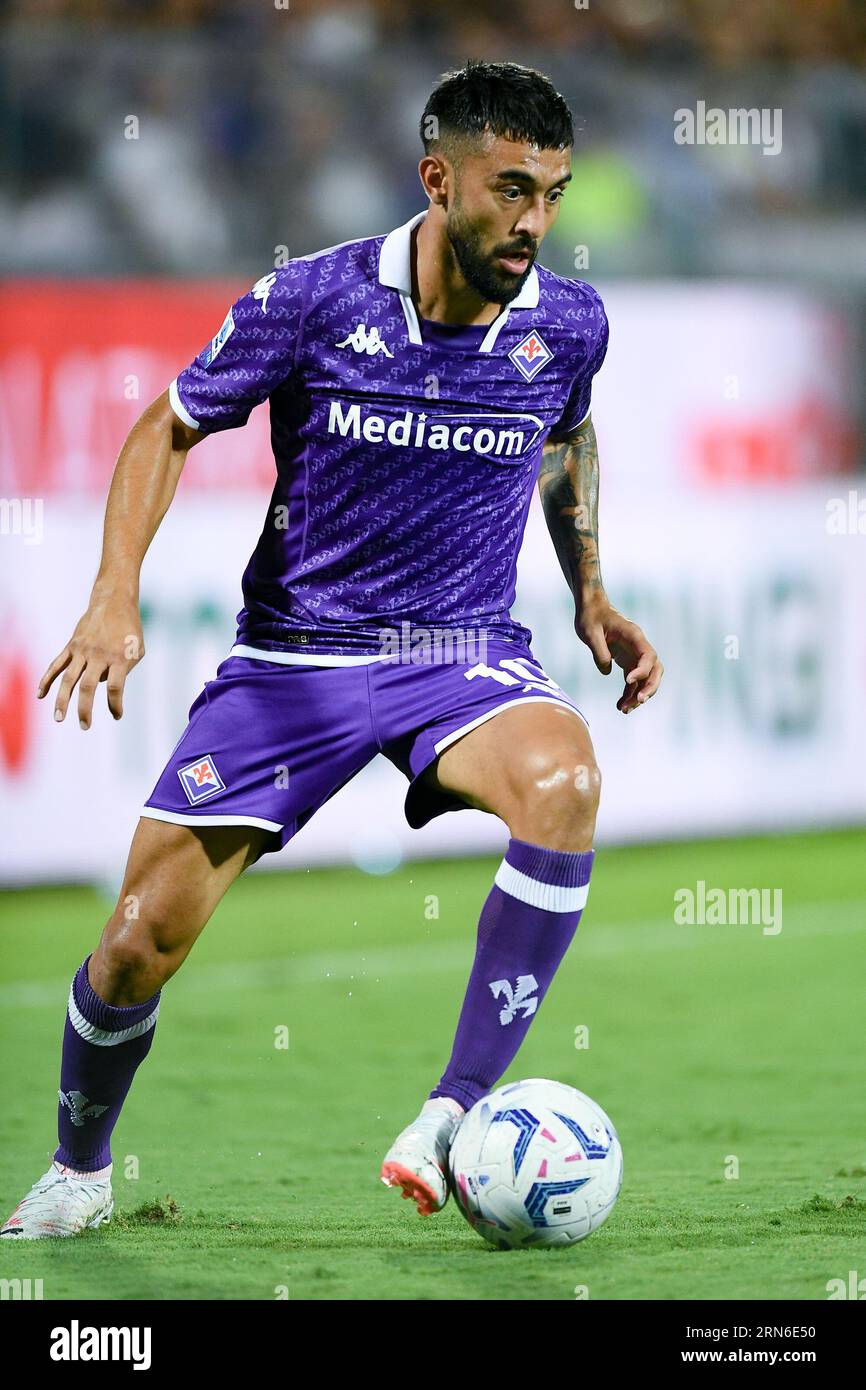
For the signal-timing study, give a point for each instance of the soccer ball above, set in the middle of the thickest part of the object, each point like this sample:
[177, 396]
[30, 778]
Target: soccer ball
[535, 1163]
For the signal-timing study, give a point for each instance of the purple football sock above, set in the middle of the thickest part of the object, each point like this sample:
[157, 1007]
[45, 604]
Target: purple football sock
[102, 1047]
[526, 926]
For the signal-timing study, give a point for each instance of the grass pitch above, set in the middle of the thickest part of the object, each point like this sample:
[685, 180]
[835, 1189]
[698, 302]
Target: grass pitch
[248, 1170]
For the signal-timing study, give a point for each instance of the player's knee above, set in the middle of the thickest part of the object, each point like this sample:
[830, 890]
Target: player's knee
[557, 796]
[131, 964]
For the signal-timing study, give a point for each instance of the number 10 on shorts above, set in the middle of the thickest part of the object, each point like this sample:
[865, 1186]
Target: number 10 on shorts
[517, 671]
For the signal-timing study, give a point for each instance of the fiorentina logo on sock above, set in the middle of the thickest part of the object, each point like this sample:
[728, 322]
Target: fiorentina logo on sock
[521, 997]
[80, 1108]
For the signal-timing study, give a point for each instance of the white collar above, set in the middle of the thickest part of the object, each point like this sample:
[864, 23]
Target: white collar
[395, 271]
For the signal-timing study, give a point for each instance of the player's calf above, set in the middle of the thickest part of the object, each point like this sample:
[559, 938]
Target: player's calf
[174, 879]
[537, 771]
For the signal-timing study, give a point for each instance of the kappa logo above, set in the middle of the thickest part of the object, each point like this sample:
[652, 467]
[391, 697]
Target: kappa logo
[200, 780]
[522, 997]
[367, 340]
[262, 288]
[530, 355]
[80, 1108]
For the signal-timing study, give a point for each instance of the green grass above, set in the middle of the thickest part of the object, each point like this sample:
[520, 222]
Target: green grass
[258, 1167]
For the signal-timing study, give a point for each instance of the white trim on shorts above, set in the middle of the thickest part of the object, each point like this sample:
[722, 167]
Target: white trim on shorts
[509, 704]
[309, 659]
[187, 818]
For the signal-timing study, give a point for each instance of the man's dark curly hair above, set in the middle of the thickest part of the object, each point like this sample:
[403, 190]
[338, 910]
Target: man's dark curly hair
[510, 101]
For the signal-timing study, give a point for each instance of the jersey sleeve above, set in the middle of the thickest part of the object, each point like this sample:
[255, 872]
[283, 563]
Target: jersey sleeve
[593, 330]
[253, 352]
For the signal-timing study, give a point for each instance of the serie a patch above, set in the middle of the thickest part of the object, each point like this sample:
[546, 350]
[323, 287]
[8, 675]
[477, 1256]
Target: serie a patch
[218, 343]
[200, 780]
[530, 355]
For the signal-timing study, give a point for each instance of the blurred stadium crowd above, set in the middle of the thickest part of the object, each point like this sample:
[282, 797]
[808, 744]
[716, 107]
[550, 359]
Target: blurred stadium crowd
[264, 123]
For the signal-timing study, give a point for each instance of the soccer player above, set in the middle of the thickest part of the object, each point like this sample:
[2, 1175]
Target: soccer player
[420, 383]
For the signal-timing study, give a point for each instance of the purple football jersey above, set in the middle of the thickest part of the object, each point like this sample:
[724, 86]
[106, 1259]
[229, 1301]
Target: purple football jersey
[406, 450]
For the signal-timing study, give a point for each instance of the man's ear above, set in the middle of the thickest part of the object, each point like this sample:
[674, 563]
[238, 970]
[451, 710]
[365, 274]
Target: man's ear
[436, 176]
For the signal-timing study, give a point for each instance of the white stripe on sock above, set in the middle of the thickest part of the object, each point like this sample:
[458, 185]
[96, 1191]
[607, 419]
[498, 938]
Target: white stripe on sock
[105, 1037]
[550, 896]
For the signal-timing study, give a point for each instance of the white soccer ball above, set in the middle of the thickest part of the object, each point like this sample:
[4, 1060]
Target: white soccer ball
[535, 1163]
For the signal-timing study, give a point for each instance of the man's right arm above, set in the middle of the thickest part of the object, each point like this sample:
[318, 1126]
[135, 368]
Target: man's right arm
[253, 353]
[107, 642]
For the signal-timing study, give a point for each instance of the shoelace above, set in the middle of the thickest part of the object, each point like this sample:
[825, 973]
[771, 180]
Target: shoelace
[52, 1179]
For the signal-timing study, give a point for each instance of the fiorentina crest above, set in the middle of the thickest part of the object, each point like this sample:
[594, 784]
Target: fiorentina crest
[80, 1108]
[200, 780]
[530, 355]
[523, 997]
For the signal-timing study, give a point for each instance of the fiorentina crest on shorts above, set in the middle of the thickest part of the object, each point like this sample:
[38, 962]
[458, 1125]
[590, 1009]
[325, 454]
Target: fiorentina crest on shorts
[530, 355]
[201, 780]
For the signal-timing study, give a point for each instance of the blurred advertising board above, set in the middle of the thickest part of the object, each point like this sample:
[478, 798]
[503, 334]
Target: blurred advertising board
[749, 579]
[704, 385]
[759, 618]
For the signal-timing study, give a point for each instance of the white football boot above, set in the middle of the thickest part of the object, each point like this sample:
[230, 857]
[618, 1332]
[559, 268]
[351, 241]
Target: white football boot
[62, 1203]
[417, 1161]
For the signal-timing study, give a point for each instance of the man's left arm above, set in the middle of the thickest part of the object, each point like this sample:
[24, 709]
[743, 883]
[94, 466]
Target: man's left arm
[568, 485]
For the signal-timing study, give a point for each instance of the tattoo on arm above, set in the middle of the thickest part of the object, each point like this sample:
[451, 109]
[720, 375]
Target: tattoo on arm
[568, 485]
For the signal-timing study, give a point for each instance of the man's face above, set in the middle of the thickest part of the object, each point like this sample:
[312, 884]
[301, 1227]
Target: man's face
[506, 198]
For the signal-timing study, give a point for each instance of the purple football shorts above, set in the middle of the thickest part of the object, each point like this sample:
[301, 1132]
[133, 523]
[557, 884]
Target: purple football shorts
[268, 741]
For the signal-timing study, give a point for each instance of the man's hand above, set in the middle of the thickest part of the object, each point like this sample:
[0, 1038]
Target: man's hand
[568, 484]
[612, 638]
[105, 646]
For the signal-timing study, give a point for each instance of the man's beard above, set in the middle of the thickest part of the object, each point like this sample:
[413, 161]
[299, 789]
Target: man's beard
[480, 271]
